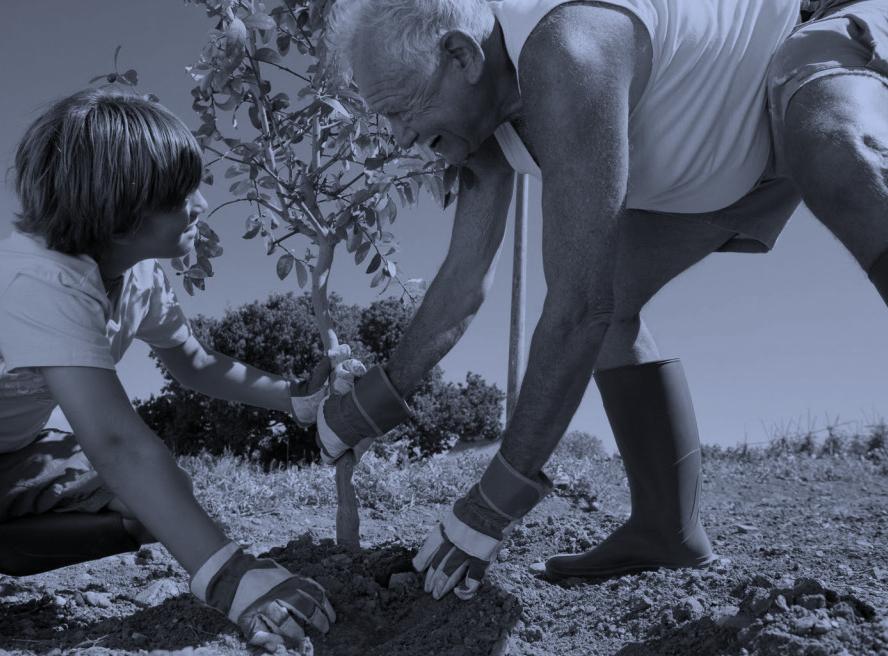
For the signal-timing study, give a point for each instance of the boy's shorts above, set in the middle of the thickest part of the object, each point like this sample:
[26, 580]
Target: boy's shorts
[51, 474]
[843, 37]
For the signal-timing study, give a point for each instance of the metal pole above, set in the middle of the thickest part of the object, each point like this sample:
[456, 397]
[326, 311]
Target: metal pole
[519, 298]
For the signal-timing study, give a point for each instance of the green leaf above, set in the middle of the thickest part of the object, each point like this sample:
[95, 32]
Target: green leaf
[373, 163]
[301, 274]
[268, 55]
[177, 264]
[205, 264]
[361, 253]
[451, 174]
[195, 273]
[283, 43]
[188, 285]
[285, 265]
[260, 21]
[392, 269]
[336, 106]
[378, 278]
[374, 263]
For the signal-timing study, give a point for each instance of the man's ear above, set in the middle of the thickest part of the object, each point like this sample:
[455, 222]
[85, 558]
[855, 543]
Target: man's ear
[462, 50]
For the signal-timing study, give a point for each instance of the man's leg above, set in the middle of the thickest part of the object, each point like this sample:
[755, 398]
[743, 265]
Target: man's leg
[649, 408]
[836, 144]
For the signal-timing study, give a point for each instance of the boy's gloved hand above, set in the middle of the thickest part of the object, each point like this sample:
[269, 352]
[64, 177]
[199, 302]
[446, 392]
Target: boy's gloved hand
[306, 396]
[461, 547]
[269, 604]
[352, 420]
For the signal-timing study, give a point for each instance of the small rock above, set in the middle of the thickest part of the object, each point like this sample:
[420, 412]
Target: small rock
[745, 528]
[866, 544]
[843, 569]
[688, 608]
[503, 555]
[761, 581]
[780, 603]
[821, 626]
[139, 638]
[60, 601]
[812, 602]
[97, 599]
[157, 592]
[533, 633]
[880, 574]
[639, 604]
[807, 586]
[144, 556]
[403, 580]
[802, 625]
[537, 568]
[561, 482]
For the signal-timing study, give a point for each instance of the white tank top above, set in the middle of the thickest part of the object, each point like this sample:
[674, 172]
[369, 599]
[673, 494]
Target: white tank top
[698, 136]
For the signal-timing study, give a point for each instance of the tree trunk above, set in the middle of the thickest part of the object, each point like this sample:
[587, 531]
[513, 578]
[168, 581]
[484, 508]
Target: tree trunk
[347, 520]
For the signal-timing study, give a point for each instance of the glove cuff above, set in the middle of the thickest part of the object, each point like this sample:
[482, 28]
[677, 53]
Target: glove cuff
[372, 408]
[231, 580]
[508, 491]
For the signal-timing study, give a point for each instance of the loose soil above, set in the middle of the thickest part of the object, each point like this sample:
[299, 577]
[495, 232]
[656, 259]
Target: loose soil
[802, 571]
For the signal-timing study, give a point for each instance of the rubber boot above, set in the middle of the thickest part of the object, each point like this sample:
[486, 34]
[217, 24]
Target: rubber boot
[39, 543]
[878, 275]
[650, 412]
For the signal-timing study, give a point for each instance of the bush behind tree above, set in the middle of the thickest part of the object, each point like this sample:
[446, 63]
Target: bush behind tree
[279, 335]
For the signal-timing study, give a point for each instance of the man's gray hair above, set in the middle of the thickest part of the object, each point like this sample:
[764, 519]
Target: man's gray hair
[406, 31]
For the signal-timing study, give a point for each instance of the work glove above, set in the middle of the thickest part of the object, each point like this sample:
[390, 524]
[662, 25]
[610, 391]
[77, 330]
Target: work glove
[461, 547]
[339, 368]
[351, 421]
[268, 603]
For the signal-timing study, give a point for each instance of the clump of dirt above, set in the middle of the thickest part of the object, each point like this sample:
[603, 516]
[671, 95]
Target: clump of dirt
[800, 617]
[382, 609]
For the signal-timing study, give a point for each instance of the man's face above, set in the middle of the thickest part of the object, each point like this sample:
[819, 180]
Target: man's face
[440, 111]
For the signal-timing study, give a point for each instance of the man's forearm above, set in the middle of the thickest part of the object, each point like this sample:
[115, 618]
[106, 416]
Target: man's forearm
[562, 358]
[445, 313]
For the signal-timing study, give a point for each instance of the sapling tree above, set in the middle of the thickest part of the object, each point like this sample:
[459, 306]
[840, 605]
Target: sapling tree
[314, 170]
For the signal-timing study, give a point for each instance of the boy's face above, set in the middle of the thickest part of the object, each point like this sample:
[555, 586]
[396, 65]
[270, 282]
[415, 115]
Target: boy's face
[166, 235]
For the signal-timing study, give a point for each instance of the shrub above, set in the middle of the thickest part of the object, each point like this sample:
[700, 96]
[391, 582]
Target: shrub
[279, 335]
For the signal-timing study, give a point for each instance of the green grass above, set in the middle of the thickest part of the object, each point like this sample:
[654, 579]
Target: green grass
[231, 486]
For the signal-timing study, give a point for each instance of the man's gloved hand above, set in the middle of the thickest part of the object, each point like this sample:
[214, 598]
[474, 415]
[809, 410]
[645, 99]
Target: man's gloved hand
[306, 395]
[351, 420]
[267, 602]
[461, 547]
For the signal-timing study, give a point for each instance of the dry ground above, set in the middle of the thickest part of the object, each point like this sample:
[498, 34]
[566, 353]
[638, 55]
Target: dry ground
[803, 568]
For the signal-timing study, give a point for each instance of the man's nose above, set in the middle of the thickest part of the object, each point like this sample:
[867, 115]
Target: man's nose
[404, 135]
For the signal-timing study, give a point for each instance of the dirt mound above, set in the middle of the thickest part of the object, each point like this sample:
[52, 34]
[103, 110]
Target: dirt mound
[382, 610]
[789, 618]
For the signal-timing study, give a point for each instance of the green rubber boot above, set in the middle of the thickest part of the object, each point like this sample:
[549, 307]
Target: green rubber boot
[650, 412]
[39, 543]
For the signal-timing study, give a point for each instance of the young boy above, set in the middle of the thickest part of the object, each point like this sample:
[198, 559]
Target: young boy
[108, 182]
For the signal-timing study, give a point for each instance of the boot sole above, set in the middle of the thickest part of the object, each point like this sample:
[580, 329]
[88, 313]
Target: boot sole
[623, 570]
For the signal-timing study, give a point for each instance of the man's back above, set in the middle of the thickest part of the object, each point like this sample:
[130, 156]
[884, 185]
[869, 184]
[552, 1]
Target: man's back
[699, 134]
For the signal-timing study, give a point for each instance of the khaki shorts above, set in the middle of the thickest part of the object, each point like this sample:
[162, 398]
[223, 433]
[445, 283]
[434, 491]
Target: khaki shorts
[51, 474]
[842, 37]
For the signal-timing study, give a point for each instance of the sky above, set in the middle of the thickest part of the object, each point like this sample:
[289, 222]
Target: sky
[794, 339]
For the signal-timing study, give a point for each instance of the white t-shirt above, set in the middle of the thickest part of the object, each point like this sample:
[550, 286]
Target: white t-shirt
[54, 312]
[698, 136]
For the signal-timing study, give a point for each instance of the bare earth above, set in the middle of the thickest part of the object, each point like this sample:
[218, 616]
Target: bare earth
[803, 570]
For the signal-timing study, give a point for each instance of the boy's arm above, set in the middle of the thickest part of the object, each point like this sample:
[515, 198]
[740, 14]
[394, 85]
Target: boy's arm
[222, 377]
[269, 603]
[133, 462]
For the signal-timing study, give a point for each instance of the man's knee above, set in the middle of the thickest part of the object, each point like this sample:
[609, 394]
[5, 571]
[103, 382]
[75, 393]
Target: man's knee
[837, 145]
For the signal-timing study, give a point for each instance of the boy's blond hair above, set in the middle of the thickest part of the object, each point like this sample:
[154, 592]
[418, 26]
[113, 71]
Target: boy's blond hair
[95, 163]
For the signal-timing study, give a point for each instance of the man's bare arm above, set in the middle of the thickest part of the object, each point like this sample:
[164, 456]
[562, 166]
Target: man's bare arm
[577, 71]
[459, 287]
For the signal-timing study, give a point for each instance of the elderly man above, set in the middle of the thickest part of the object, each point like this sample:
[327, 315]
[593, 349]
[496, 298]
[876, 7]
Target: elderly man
[647, 122]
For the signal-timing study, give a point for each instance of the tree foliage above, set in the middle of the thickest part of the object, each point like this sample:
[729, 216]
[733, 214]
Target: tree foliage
[278, 334]
[312, 167]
